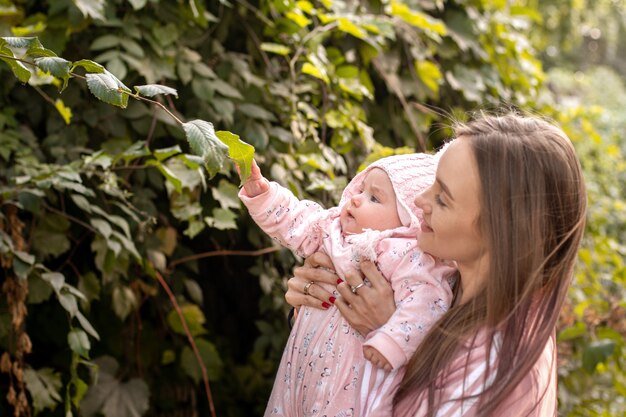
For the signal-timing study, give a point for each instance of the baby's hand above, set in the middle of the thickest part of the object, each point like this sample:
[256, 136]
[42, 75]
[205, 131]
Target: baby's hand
[376, 358]
[255, 184]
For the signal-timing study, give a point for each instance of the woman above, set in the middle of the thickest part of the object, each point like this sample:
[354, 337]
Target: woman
[508, 206]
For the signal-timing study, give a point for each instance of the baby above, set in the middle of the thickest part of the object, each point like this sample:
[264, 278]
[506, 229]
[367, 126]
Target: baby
[323, 371]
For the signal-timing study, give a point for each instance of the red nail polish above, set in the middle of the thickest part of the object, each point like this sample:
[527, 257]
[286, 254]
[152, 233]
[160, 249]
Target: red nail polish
[332, 300]
[325, 304]
[339, 280]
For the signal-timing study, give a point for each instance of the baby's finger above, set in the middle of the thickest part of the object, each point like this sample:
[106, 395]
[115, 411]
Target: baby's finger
[255, 171]
[374, 276]
[319, 259]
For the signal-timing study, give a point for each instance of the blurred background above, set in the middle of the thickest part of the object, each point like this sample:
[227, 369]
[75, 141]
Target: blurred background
[111, 230]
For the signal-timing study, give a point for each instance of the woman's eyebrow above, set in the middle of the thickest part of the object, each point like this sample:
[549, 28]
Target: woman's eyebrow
[445, 188]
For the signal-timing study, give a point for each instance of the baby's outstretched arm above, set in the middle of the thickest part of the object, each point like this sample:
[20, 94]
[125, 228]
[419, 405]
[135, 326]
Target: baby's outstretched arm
[255, 184]
[377, 358]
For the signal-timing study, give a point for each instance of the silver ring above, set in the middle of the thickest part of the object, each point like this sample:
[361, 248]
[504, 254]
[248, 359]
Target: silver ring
[354, 289]
[307, 286]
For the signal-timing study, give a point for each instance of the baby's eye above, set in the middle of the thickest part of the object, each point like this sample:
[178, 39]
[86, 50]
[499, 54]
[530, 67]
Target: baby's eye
[438, 200]
[373, 199]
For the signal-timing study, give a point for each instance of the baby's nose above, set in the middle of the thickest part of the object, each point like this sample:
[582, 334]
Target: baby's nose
[356, 200]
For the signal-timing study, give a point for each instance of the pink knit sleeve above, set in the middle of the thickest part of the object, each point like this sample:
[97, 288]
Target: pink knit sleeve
[295, 224]
[422, 295]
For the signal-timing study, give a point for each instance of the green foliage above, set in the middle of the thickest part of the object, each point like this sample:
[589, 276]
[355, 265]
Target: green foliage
[593, 333]
[106, 167]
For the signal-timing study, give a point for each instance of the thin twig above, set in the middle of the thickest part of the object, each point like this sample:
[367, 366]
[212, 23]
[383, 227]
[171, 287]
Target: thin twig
[205, 376]
[306, 39]
[257, 252]
[257, 13]
[70, 217]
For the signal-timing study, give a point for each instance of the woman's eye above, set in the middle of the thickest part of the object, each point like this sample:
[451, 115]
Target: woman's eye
[438, 200]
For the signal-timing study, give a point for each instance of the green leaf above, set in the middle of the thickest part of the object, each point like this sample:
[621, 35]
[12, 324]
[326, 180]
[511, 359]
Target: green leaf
[79, 342]
[55, 279]
[297, 18]
[22, 42]
[106, 87]
[194, 317]
[429, 74]
[89, 66]
[164, 153]
[203, 141]
[50, 243]
[80, 389]
[138, 4]
[86, 325]
[597, 352]
[194, 291]
[68, 302]
[256, 112]
[347, 26]
[227, 194]
[105, 42]
[210, 358]
[25, 257]
[58, 67]
[124, 301]
[128, 244]
[44, 386]
[317, 72]
[91, 8]
[167, 173]
[111, 397]
[225, 89]
[65, 112]
[101, 226]
[121, 223]
[418, 19]
[573, 332]
[151, 90]
[38, 290]
[275, 48]
[89, 284]
[239, 151]
[222, 219]
[19, 70]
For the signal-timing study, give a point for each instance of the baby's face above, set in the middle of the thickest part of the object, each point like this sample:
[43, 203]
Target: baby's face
[373, 207]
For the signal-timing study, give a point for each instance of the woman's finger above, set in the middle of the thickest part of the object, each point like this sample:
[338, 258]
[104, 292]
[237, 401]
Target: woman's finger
[315, 296]
[309, 273]
[370, 306]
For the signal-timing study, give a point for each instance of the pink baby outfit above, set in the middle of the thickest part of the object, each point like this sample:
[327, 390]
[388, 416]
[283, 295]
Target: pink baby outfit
[323, 371]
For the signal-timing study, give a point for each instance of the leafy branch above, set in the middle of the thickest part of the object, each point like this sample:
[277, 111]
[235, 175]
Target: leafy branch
[214, 149]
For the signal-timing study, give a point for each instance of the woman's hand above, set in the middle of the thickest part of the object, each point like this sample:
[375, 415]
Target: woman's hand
[302, 289]
[367, 307]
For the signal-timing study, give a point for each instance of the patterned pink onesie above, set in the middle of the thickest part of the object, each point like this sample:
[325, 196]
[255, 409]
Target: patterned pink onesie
[323, 371]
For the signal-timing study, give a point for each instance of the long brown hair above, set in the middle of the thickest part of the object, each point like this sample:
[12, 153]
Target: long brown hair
[532, 217]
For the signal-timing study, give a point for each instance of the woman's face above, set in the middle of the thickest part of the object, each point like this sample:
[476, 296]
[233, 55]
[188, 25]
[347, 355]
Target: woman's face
[451, 209]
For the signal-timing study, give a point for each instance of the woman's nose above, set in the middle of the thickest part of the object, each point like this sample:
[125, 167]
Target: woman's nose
[421, 201]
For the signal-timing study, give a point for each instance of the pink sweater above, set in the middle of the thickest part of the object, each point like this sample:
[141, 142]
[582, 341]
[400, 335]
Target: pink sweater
[538, 387]
[323, 371]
